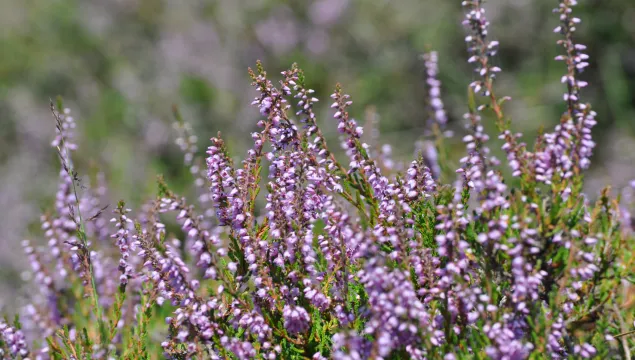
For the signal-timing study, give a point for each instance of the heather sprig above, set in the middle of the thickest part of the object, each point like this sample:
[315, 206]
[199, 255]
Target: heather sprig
[124, 242]
[482, 50]
[13, 341]
[437, 110]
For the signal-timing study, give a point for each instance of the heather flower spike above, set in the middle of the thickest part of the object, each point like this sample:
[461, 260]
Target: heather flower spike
[295, 253]
[431, 61]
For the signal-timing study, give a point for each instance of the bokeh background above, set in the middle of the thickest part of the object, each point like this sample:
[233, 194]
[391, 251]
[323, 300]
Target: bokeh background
[121, 64]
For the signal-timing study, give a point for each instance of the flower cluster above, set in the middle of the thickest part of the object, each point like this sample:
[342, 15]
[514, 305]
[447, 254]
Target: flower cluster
[353, 260]
[14, 340]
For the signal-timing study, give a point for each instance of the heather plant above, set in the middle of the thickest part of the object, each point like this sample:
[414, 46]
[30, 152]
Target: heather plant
[293, 253]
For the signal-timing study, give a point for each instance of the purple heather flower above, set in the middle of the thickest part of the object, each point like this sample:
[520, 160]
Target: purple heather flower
[479, 47]
[200, 242]
[296, 319]
[14, 339]
[364, 265]
[431, 60]
[241, 349]
[570, 144]
[586, 351]
[575, 59]
[475, 144]
[397, 317]
[65, 224]
[305, 103]
[168, 273]
[419, 183]
[124, 242]
[46, 283]
[272, 103]
[37, 321]
[251, 321]
[348, 128]
[221, 175]
[506, 344]
[555, 344]
[54, 246]
[320, 170]
[526, 278]
[481, 51]
[350, 346]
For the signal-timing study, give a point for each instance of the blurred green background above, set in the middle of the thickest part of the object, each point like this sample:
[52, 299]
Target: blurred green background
[121, 64]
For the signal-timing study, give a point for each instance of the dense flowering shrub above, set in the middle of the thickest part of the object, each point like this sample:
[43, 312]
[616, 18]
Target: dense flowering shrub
[346, 260]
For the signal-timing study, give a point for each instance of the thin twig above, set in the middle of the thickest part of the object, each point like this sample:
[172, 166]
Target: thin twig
[622, 336]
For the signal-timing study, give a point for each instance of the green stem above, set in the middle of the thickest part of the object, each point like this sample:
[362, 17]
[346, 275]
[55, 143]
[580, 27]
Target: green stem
[65, 154]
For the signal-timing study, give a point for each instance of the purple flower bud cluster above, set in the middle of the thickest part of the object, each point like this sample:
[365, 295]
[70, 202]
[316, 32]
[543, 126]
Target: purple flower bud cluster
[14, 340]
[296, 319]
[349, 129]
[431, 61]
[506, 344]
[200, 242]
[320, 170]
[44, 313]
[55, 250]
[397, 317]
[124, 242]
[305, 103]
[462, 303]
[482, 50]
[555, 344]
[350, 346]
[419, 181]
[280, 131]
[222, 179]
[479, 47]
[576, 60]
[570, 145]
[65, 224]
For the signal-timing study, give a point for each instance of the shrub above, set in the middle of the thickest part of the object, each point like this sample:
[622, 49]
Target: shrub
[346, 260]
